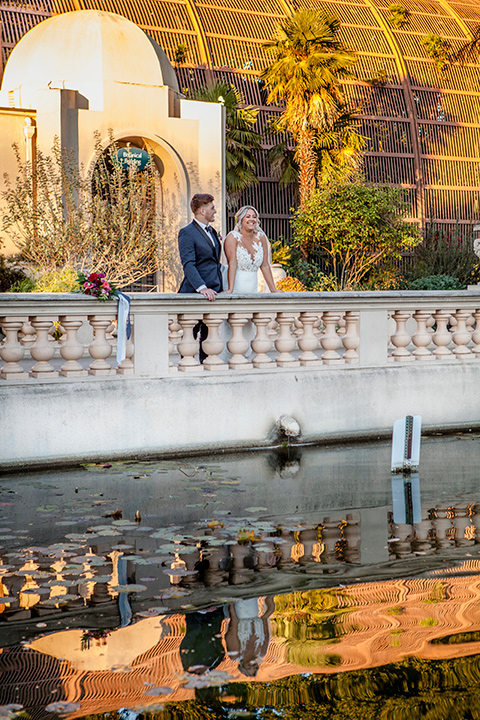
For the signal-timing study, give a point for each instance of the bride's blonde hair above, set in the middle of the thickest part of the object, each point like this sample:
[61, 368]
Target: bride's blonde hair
[240, 214]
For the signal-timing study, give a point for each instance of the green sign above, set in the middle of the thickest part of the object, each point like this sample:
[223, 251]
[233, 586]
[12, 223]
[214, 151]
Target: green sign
[133, 157]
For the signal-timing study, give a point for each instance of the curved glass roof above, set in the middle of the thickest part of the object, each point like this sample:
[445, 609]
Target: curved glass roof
[423, 125]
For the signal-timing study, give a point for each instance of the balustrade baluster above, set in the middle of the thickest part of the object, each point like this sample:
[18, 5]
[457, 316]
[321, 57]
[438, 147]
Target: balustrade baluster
[442, 337]
[100, 349]
[262, 344]
[188, 347]
[272, 329]
[127, 366]
[11, 350]
[330, 339]
[351, 338]
[318, 327]
[171, 346]
[342, 326]
[422, 338]
[71, 350]
[307, 341]
[462, 336]
[214, 345]
[175, 335]
[238, 345]
[28, 334]
[445, 534]
[476, 334]
[298, 325]
[401, 338]
[286, 341]
[43, 350]
[464, 528]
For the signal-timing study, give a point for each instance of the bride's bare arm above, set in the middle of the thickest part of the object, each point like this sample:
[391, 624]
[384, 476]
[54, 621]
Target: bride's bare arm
[230, 249]
[266, 268]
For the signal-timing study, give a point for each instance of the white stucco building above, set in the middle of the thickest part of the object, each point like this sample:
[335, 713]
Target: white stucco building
[89, 72]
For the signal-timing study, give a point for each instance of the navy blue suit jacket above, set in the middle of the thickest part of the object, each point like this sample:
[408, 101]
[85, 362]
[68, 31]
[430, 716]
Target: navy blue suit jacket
[200, 260]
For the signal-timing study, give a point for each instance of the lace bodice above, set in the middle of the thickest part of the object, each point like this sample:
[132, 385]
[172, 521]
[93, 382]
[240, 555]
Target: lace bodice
[245, 261]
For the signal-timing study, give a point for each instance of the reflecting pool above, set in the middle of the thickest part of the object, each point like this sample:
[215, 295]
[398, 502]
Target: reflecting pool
[300, 583]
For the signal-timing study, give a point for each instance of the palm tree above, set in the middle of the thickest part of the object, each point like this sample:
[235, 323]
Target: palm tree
[242, 141]
[309, 63]
[339, 150]
[470, 51]
[340, 147]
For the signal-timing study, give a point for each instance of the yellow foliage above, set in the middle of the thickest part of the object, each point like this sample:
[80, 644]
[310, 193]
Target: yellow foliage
[291, 284]
[64, 280]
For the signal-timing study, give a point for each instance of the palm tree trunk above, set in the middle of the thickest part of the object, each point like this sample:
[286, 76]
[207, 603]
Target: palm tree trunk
[306, 159]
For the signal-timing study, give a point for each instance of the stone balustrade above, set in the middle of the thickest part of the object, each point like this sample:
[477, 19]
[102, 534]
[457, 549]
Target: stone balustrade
[52, 336]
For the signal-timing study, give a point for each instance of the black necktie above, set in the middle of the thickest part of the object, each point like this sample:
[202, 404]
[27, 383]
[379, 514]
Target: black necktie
[210, 234]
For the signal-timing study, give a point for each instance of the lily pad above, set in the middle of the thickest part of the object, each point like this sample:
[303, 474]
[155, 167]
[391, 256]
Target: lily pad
[9, 711]
[62, 707]
[133, 588]
[59, 600]
[152, 612]
[159, 691]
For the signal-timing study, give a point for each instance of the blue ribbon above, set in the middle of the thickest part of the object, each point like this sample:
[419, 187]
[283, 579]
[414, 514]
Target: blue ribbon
[124, 326]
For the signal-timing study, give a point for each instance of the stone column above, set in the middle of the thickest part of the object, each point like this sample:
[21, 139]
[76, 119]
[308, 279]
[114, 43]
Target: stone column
[12, 351]
[43, 350]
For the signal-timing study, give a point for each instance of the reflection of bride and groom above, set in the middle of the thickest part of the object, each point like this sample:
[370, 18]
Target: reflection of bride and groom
[246, 249]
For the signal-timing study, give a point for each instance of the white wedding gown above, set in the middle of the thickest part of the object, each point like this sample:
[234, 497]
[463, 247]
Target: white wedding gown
[246, 277]
[246, 282]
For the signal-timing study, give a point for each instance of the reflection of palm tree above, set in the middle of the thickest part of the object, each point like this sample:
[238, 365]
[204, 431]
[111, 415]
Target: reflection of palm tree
[310, 60]
[241, 139]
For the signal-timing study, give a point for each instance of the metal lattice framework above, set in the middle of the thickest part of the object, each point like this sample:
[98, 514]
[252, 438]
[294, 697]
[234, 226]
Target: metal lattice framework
[423, 125]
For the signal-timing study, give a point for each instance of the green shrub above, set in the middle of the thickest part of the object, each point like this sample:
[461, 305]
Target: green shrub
[435, 282]
[352, 229]
[24, 285]
[437, 49]
[444, 253]
[10, 275]
[281, 253]
[54, 281]
[398, 15]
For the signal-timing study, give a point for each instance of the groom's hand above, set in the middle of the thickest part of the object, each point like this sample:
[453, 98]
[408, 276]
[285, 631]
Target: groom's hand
[208, 293]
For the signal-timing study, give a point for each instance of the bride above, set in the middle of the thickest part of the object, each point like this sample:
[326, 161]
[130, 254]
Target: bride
[247, 249]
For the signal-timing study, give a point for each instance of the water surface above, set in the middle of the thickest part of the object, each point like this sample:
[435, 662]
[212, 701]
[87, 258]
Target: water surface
[300, 583]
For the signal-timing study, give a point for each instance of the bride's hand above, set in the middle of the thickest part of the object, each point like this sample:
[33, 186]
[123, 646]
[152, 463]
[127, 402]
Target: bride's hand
[226, 292]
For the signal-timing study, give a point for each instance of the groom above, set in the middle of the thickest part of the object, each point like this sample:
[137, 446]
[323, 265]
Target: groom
[200, 249]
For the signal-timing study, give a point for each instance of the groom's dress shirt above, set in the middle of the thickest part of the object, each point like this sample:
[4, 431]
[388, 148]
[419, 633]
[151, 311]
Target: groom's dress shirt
[209, 233]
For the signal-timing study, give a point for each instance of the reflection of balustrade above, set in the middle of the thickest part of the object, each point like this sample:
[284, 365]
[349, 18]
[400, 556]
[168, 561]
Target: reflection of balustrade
[440, 527]
[272, 332]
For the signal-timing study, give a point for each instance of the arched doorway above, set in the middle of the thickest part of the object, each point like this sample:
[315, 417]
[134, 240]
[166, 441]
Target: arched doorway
[127, 176]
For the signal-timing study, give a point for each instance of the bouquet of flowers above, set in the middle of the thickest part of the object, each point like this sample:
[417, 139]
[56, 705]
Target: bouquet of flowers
[96, 284]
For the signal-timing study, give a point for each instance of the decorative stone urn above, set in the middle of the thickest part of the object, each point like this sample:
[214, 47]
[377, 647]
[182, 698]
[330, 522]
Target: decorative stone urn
[278, 274]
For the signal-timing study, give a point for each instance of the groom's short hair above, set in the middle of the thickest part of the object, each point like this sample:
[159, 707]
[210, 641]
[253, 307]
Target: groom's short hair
[200, 199]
